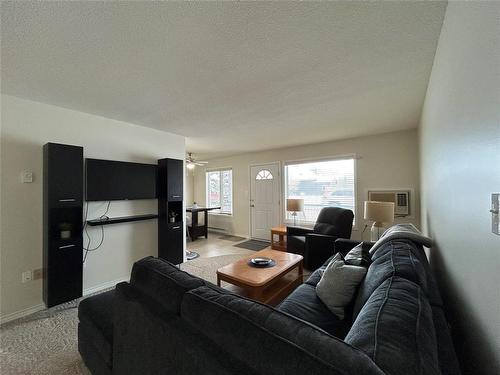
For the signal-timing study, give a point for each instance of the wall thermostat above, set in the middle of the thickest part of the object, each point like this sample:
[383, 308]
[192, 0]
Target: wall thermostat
[27, 177]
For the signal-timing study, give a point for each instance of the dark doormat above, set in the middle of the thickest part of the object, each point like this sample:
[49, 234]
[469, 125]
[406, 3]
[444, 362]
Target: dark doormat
[255, 245]
[229, 237]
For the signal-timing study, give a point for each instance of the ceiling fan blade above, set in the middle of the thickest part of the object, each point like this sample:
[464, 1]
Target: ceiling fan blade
[199, 164]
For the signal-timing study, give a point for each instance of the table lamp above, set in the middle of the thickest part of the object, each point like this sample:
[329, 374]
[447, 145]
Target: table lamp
[294, 205]
[380, 213]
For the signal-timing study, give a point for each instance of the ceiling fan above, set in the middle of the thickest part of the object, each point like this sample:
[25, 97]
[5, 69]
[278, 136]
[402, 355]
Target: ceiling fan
[192, 162]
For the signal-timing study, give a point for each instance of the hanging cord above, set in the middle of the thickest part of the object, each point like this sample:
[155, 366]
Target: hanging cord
[363, 232]
[85, 229]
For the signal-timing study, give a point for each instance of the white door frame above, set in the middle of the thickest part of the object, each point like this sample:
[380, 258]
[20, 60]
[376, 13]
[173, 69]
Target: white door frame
[280, 192]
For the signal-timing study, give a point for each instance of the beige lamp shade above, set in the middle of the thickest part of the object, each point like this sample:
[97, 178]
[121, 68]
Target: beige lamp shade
[294, 205]
[379, 212]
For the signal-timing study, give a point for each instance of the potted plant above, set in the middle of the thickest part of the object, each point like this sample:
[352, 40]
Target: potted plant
[65, 229]
[172, 215]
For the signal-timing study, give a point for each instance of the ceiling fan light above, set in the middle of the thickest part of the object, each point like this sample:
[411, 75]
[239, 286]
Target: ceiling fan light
[190, 166]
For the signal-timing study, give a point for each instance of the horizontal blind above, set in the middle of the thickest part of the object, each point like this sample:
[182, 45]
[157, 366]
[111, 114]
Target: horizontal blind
[220, 189]
[326, 183]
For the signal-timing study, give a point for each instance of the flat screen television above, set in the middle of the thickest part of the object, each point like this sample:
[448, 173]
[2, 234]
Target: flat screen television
[108, 180]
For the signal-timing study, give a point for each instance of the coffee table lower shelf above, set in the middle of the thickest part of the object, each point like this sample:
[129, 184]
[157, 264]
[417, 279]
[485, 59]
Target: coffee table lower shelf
[272, 294]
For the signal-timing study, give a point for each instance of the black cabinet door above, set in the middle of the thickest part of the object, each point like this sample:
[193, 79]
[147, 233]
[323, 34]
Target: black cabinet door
[173, 249]
[64, 271]
[65, 175]
[175, 179]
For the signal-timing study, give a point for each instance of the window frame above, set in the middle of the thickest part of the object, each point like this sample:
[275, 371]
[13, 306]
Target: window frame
[207, 185]
[285, 163]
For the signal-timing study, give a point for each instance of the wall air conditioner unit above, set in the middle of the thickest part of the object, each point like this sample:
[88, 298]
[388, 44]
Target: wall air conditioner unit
[400, 198]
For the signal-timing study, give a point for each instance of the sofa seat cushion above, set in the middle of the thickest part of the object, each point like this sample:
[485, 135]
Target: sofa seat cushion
[96, 324]
[267, 340]
[395, 258]
[304, 304]
[395, 328]
[163, 282]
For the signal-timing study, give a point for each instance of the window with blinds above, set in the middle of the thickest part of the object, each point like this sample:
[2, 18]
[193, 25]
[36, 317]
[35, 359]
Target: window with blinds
[325, 183]
[220, 190]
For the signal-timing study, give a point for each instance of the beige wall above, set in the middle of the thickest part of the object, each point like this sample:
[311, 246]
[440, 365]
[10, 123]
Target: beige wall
[26, 126]
[460, 168]
[384, 161]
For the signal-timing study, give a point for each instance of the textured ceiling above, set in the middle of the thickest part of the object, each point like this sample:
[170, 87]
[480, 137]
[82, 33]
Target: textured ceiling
[232, 77]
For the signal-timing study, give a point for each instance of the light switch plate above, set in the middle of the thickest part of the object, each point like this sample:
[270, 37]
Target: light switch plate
[27, 177]
[495, 213]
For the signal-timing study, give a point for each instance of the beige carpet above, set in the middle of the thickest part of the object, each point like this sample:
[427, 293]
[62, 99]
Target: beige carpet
[46, 342]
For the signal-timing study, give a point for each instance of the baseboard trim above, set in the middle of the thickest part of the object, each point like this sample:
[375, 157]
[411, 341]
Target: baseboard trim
[106, 285]
[33, 309]
[21, 313]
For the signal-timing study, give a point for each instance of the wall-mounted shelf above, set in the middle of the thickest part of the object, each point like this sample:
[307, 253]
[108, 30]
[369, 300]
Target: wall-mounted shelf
[122, 219]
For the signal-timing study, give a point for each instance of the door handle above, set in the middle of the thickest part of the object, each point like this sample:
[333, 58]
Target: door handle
[177, 227]
[66, 247]
[67, 200]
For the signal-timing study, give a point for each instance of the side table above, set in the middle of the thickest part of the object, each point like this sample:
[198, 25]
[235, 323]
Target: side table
[278, 243]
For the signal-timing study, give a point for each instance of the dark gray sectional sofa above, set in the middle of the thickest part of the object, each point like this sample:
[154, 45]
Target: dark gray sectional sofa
[166, 321]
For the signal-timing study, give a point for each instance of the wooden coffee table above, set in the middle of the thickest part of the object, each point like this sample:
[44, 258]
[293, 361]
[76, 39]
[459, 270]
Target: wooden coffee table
[268, 285]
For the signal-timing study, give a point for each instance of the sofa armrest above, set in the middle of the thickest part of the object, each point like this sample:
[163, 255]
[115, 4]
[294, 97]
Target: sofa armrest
[298, 231]
[149, 339]
[343, 245]
[319, 247]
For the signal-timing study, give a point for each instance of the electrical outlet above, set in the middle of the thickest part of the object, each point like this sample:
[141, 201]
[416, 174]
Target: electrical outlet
[38, 274]
[495, 213]
[27, 276]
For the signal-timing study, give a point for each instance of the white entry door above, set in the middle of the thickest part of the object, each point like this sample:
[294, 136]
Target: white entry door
[264, 199]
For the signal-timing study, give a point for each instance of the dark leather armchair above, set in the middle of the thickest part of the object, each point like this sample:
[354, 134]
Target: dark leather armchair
[317, 245]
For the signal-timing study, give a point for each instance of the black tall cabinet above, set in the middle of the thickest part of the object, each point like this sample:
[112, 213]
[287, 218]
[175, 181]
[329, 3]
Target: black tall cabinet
[170, 197]
[62, 223]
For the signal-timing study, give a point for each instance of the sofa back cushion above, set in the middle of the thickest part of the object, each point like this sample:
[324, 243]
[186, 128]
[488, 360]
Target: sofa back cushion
[395, 258]
[395, 328]
[447, 357]
[267, 340]
[163, 282]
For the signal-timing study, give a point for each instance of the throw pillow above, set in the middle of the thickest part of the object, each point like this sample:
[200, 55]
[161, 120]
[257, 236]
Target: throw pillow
[358, 256]
[338, 284]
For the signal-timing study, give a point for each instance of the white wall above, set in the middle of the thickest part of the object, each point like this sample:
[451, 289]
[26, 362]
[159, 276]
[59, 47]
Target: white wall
[189, 198]
[460, 168]
[385, 161]
[26, 126]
